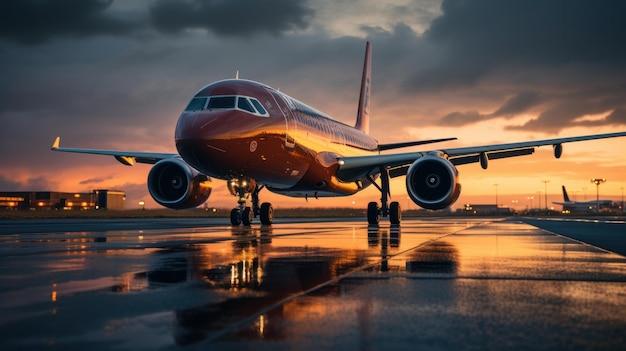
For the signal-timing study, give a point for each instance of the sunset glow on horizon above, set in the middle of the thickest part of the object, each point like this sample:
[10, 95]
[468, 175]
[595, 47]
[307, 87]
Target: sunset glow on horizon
[121, 81]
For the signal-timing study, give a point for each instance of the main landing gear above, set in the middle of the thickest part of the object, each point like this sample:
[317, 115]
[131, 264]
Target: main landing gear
[243, 214]
[391, 210]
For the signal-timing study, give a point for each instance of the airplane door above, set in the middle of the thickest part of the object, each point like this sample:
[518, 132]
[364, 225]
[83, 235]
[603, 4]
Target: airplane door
[287, 108]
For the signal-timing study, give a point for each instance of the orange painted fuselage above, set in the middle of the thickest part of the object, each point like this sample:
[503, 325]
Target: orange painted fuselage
[285, 145]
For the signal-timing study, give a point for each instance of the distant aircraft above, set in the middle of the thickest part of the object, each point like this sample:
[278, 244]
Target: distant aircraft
[254, 137]
[582, 206]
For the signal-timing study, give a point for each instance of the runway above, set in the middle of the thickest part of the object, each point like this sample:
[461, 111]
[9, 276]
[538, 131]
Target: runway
[435, 284]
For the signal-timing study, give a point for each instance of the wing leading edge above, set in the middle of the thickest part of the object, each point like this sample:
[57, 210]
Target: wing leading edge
[125, 157]
[353, 168]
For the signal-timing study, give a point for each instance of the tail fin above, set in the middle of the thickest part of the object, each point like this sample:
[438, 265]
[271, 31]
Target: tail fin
[565, 197]
[363, 112]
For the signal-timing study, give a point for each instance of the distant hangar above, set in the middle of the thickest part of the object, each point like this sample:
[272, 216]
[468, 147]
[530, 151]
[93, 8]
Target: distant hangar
[100, 199]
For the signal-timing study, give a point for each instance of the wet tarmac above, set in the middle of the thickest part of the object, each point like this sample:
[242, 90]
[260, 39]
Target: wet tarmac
[431, 284]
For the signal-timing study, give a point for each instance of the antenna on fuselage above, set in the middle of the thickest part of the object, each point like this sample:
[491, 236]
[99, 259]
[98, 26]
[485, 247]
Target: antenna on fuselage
[237, 74]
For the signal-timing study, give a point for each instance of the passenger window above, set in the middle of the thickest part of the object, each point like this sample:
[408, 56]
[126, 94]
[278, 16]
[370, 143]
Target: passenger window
[196, 104]
[258, 106]
[243, 104]
[222, 102]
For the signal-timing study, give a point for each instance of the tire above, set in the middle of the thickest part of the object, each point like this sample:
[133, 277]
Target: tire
[373, 214]
[395, 213]
[267, 213]
[234, 217]
[247, 216]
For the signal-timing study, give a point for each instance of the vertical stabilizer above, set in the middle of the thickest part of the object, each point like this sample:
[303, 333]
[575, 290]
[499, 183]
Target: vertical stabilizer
[363, 112]
[565, 197]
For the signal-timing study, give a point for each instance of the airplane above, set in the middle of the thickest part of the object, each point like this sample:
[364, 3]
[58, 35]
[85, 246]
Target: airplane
[255, 137]
[581, 206]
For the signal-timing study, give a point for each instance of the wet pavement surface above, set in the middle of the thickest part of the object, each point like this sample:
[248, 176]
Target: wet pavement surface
[433, 284]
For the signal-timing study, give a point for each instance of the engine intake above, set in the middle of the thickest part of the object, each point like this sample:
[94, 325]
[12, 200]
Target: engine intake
[432, 182]
[174, 184]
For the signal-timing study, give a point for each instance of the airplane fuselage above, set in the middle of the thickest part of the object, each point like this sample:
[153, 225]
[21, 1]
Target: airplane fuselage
[283, 144]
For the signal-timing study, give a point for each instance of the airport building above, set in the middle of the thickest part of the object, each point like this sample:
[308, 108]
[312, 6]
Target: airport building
[480, 209]
[52, 200]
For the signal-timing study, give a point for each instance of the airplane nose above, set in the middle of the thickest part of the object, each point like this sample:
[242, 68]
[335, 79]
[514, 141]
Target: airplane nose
[200, 126]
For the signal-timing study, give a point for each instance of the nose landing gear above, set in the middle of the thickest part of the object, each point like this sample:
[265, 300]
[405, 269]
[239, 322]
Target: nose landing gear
[243, 214]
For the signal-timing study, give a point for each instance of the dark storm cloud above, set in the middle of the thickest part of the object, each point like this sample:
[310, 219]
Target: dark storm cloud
[534, 31]
[36, 21]
[523, 48]
[232, 17]
[519, 103]
[32, 22]
[462, 118]
[515, 105]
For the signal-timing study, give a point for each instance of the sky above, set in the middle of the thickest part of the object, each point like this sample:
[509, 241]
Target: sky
[117, 74]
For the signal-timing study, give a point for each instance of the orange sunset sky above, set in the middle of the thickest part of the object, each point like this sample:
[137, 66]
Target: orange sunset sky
[116, 75]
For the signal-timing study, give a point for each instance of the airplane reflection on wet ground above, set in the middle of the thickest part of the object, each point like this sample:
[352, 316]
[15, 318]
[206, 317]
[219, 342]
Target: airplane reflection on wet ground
[432, 283]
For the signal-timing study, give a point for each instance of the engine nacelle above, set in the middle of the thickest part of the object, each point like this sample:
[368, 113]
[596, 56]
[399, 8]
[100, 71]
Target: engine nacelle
[433, 182]
[174, 184]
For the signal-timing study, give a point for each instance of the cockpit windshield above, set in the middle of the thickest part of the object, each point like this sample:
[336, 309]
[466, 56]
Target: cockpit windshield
[196, 104]
[228, 102]
[221, 102]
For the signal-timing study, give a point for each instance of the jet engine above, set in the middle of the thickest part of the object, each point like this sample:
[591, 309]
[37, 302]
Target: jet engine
[433, 182]
[174, 184]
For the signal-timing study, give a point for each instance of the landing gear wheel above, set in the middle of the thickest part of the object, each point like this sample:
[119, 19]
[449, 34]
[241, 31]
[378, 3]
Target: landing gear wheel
[267, 213]
[234, 217]
[395, 213]
[373, 214]
[247, 216]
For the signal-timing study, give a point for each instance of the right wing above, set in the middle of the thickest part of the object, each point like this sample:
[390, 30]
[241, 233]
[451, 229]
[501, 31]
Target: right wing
[352, 168]
[125, 157]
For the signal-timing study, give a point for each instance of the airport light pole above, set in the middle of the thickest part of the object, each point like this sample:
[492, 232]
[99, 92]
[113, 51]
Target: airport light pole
[531, 201]
[597, 182]
[496, 185]
[622, 198]
[545, 188]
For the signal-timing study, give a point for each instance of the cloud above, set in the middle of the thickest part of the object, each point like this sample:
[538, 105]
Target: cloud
[232, 17]
[519, 103]
[96, 180]
[491, 32]
[30, 184]
[37, 21]
[462, 118]
[560, 60]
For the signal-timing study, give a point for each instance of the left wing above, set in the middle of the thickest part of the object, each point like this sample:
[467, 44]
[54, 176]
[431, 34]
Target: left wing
[125, 157]
[354, 168]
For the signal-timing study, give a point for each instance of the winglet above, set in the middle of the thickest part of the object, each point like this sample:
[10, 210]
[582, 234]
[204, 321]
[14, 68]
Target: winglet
[56, 143]
[363, 112]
